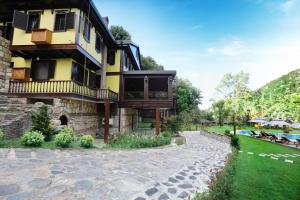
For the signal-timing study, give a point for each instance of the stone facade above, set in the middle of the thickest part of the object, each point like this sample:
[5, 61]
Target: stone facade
[82, 116]
[129, 119]
[5, 70]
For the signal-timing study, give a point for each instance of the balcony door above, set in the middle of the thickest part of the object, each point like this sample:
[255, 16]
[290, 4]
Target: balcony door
[42, 70]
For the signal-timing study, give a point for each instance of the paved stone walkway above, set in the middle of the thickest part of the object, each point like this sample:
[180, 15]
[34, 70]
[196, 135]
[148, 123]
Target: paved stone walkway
[173, 172]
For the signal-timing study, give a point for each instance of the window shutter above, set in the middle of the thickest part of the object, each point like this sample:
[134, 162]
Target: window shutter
[111, 57]
[20, 20]
[70, 20]
[51, 72]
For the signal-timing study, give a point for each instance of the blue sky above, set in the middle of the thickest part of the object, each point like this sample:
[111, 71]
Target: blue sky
[204, 39]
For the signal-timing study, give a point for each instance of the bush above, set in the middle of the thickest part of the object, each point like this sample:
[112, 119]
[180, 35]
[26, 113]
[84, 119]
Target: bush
[63, 139]
[32, 139]
[227, 132]
[235, 142]
[166, 134]
[41, 122]
[1, 135]
[67, 131]
[86, 141]
[138, 141]
[174, 124]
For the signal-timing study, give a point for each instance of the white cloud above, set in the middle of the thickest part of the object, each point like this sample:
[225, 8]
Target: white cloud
[288, 5]
[234, 47]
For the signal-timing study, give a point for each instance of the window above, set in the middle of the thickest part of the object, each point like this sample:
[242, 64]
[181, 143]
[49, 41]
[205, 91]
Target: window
[92, 79]
[98, 43]
[60, 21]
[79, 74]
[33, 21]
[42, 70]
[87, 30]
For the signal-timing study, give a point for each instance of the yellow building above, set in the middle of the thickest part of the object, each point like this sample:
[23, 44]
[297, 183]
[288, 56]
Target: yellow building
[63, 54]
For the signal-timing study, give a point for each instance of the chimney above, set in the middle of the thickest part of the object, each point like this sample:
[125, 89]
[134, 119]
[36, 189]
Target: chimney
[106, 21]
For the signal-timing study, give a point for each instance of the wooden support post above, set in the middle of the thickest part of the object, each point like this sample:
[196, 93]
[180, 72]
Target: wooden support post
[157, 121]
[106, 119]
[146, 88]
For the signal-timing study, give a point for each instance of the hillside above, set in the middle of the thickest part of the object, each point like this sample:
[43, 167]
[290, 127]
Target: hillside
[280, 98]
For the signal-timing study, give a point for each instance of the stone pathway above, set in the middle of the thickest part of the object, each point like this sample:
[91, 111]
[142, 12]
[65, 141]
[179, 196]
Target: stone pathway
[175, 172]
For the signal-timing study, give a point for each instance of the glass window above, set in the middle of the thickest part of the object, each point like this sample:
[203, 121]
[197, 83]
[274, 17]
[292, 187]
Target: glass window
[60, 21]
[33, 21]
[42, 70]
[77, 73]
[92, 79]
[87, 30]
[98, 43]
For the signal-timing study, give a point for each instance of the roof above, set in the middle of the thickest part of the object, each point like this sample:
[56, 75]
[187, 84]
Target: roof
[154, 73]
[8, 6]
[133, 50]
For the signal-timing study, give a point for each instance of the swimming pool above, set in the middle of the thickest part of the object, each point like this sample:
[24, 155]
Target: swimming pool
[290, 136]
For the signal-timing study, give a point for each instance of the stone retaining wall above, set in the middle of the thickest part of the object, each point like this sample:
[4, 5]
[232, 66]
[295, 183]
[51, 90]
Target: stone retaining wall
[5, 60]
[221, 138]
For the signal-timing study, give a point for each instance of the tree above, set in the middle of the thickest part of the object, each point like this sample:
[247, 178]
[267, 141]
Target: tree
[234, 85]
[120, 33]
[219, 110]
[187, 96]
[148, 63]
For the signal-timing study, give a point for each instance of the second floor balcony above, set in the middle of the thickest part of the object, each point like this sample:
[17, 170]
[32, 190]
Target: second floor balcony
[147, 89]
[60, 89]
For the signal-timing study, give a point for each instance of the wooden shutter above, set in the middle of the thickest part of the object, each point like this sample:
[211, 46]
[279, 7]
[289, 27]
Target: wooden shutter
[70, 20]
[20, 20]
[51, 72]
[111, 57]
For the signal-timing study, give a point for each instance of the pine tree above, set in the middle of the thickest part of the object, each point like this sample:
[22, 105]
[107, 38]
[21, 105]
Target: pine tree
[41, 121]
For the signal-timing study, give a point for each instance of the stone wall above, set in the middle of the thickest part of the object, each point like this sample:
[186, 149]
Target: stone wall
[5, 60]
[82, 116]
[128, 117]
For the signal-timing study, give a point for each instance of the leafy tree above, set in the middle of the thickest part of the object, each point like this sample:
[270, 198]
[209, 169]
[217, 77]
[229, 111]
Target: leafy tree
[219, 110]
[234, 85]
[148, 63]
[187, 96]
[120, 33]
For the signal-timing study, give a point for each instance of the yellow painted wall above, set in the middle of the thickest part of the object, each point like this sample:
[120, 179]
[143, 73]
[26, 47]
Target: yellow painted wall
[89, 46]
[63, 67]
[47, 21]
[113, 82]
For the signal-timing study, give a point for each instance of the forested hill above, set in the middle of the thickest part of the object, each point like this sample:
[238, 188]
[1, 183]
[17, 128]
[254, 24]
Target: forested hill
[280, 98]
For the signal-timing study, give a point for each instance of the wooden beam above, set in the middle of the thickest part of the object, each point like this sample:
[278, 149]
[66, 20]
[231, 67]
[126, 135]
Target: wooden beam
[146, 88]
[157, 121]
[170, 88]
[106, 120]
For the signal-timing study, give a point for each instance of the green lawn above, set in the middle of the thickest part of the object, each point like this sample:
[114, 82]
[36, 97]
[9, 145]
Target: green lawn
[262, 177]
[221, 129]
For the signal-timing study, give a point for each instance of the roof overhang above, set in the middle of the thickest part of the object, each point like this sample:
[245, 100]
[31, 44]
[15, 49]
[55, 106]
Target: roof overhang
[7, 8]
[129, 47]
[150, 73]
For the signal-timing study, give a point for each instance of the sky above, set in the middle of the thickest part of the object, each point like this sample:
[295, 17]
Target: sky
[204, 39]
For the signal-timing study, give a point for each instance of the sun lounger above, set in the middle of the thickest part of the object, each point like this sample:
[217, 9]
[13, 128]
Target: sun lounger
[265, 135]
[254, 134]
[286, 140]
[275, 139]
[298, 142]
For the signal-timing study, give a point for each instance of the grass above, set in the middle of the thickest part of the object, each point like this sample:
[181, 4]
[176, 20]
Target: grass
[135, 141]
[257, 177]
[221, 129]
[16, 143]
[145, 124]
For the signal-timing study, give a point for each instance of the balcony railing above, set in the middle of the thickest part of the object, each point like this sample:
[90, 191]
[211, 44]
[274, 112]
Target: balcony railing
[60, 88]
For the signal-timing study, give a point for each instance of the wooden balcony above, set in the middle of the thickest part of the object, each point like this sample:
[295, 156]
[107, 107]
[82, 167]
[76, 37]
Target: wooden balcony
[41, 36]
[60, 89]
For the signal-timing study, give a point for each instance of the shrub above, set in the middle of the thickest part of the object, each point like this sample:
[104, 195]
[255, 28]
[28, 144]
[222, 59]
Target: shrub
[63, 139]
[235, 142]
[32, 139]
[166, 134]
[41, 122]
[174, 124]
[86, 141]
[130, 140]
[1, 135]
[67, 131]
[227, 132]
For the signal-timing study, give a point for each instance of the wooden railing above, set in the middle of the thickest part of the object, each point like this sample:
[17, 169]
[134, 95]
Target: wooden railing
[59, 87]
